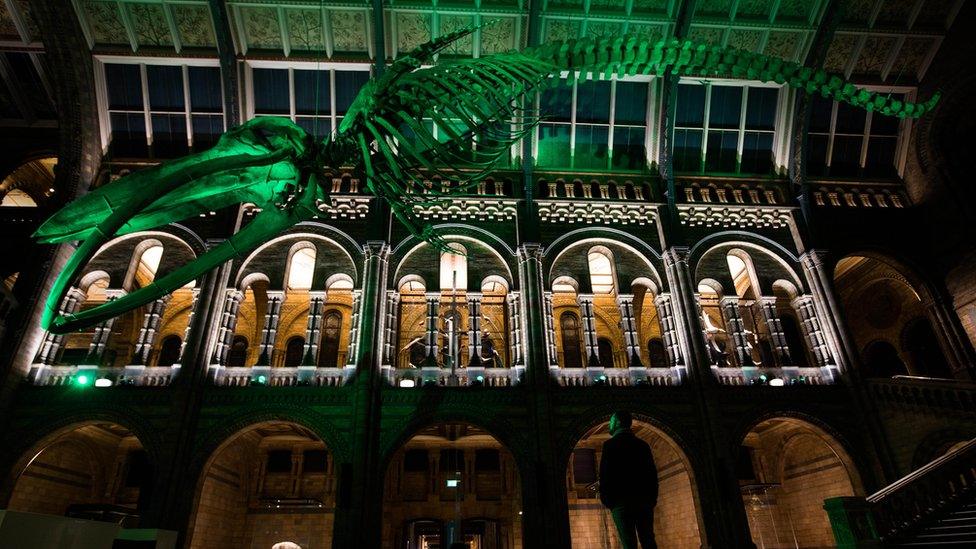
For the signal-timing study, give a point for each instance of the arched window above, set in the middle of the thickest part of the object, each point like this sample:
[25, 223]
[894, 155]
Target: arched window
[881, 360]
[169, 350]
[605, 352]
[798, 351]
[919, 341]
[601, 271]
[655, 353]
[301, 267]
[418, 354]
[294, 351]
[454, 268]
[329, 348]
[570, 331]
[237, 355]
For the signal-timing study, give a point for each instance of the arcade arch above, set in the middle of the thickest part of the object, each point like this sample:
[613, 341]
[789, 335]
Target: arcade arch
[269, 482]
[452, 479]
[677, 518]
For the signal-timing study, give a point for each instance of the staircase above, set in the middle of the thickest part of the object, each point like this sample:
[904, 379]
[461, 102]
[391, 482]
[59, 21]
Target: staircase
[956, 528]
[934, 506]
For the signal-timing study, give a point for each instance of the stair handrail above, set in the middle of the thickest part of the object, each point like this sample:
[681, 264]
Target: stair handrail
[916, 496]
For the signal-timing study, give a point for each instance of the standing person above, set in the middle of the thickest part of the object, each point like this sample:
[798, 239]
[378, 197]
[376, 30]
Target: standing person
[628, 484]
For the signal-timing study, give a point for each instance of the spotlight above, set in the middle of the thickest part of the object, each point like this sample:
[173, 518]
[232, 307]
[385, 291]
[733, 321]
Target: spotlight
[103, 382]
[408, 383]
[83, 380]
[776, 382]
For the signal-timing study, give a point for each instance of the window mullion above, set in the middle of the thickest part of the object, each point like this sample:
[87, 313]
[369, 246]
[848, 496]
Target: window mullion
[864, 140]
[613, 110]
[186, 106]
[830, 133]
[332, 100]
[291, 93]
[708, 108]
[144, 78]
[572, 126]
[742, 129]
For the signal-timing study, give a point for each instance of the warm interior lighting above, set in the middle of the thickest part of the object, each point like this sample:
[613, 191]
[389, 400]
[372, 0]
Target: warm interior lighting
[408, 383]
[454, 268]
[301, 269]
[601, 272]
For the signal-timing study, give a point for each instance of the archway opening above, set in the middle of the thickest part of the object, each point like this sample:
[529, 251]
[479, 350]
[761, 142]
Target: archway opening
[452, 482]
[97, 471]
[883, 304]
[676, 515]
[271, 482]
[787, 468]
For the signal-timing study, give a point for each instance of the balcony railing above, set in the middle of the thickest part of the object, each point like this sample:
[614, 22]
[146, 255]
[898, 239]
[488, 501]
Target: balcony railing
[281, 377]
[159, 376]
[616, 377]
[787, 375]
[926, 394]
[465, 377]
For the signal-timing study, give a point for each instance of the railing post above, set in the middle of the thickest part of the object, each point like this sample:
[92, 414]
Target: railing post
[852, 523]
[270, 331]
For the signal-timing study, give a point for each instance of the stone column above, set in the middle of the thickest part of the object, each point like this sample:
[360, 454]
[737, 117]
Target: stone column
[515, 357]
[629, 326]
[474, 330]
[552, 356]
[952, 339]
[189, 322]
[589, 330]
[313, 328]
[736, 329]
[776, 335]
[150, 329]
[96, 349]
[354, 332]
[270, 330]
[813, 331]
[390, 328]
[827, 307]
[687, 315]
[228, 324]
[51, 345]
[430, 337]
[669, 330]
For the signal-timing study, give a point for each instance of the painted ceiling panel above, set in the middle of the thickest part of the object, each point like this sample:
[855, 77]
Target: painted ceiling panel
[349, 30]
[795, 10]
[562, 29]
[909, 61]
[498, 37]
[652, 32]
[874, 54]
[784, 44]
[105, 22]
[713, 8]
[305, 29]
[8, 31]
[605, 29]
[840, 51]
[451, 23]
[650, 6]
[194, 25]
[149, 24]
[565, 5]
[413, 29]
[745, 39]
[857, 12]
[754, 9]
[261, 27]
[708, 35]
[894, 14]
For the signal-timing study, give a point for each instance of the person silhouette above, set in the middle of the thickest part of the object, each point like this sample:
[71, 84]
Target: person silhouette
[628, 483]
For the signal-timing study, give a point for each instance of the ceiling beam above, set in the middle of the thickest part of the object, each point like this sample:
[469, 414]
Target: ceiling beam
[379, 37]
[14, 10]
[127, 23]
[229, 75]
[16, 91]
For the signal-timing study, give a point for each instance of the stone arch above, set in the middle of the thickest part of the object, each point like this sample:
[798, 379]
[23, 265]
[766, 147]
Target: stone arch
[33, 176]
[416, 257]
[242, 471]
[78, 458]
[768, 261]
[137, 254]
[333, 254]
[678, 518]
[289, 262]
[120, 256]
[793, 462]
[416, 489]
[631, 259]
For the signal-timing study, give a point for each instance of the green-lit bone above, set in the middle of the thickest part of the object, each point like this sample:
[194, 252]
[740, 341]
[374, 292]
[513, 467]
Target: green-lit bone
[276, 165]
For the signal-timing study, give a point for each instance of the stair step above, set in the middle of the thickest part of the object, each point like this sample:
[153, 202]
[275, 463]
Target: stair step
[963, 535]
[967, 544]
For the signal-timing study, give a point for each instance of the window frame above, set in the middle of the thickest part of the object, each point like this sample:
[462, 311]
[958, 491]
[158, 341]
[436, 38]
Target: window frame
[778, 132]
[651, 112]
[901, 142]
[291, 67]
[101, 94]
